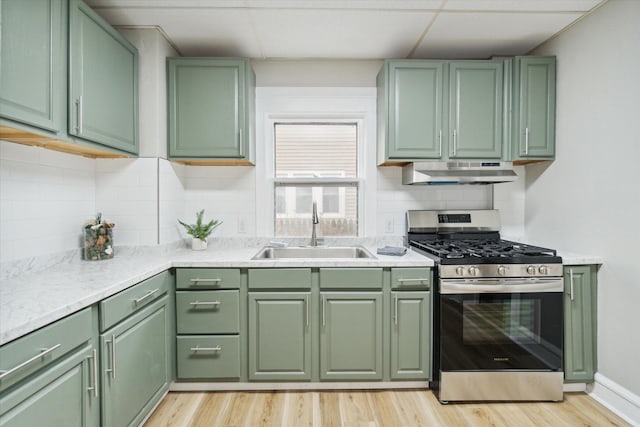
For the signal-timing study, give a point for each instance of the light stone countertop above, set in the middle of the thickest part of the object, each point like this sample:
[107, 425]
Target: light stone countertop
[32, 300]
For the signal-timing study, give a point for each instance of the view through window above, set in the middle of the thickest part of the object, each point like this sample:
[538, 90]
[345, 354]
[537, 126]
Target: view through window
[316, 162]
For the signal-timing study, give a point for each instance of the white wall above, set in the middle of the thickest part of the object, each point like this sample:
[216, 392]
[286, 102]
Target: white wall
[588, 200]
[45, 198]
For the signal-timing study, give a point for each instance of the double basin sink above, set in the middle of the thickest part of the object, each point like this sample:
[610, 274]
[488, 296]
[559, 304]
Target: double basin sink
[313, 252]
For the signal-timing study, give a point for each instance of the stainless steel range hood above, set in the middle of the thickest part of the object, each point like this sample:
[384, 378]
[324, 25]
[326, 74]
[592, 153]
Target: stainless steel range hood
[478, 172]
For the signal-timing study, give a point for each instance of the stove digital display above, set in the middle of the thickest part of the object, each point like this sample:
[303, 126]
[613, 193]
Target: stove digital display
[454, 218]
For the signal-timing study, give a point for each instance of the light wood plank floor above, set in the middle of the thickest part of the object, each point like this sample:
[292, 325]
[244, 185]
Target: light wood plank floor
[369, 408]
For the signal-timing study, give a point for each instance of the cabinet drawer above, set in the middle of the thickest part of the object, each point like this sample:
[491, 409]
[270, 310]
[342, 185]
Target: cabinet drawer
[208, 278]
[351, 278]
[127, 302]
[280, 278]
[208, 312]
[207, 357]
[26, 355]
[410, 278]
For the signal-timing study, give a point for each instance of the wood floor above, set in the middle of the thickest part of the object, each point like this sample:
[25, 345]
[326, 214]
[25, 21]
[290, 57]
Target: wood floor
[369, 408]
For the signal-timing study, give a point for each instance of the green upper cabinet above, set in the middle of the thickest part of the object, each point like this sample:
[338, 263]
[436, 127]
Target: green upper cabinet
[210, 111]
[103, 88]
[475, 110]
[534, 108]
[410, 109]
[580, 298]
[439, 110]
[33, 63]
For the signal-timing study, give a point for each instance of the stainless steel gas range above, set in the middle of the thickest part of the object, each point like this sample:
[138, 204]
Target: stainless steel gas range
[498, 313]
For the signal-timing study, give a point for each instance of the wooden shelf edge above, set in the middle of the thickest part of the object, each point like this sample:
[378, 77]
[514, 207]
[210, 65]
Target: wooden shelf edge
[213, 162]
[27, 138]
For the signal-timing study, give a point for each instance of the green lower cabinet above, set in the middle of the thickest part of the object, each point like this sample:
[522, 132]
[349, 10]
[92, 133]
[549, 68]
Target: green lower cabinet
[351, 336]
[410, 336]
[580, 298]
[208, 357]
[60, 396]
[279, 336]
[135, 365]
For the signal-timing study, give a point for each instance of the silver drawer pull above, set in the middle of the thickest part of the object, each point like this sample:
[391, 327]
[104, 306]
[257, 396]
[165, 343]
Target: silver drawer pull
[198, 348]
[419, 279]
[145, 296]
[112, 369]
[198, 303]
[205, 280]
[43, 353]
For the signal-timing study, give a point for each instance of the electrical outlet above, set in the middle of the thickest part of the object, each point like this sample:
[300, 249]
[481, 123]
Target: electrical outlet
[388, 225]
[242, 225]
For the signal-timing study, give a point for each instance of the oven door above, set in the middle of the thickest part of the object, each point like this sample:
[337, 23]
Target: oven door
[501, 324]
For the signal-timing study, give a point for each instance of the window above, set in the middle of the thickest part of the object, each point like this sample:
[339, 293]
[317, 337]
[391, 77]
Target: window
[316, 162]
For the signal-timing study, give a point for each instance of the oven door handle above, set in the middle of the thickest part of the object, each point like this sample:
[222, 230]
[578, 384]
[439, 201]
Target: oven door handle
[500, 286]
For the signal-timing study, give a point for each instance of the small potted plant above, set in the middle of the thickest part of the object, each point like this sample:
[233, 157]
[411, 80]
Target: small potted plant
[200, 231]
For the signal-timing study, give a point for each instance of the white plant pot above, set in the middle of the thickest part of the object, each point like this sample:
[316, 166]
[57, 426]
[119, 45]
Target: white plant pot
[198, 245]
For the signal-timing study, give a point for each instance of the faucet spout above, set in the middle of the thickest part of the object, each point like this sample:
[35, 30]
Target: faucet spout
[314, 222]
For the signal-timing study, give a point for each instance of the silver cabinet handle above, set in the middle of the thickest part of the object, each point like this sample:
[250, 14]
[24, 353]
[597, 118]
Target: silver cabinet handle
[526, 140]
[198, 348]
[395, 309]
[196, 280]
[455, 142]
[145, 296]
[199, 303]
[94, 372]
[112, 370]
[79, 115]
[241, 143]
[417, 279]
[323, 311]
[440, 143]
[43, 353]
[571, 284]
[306, 304]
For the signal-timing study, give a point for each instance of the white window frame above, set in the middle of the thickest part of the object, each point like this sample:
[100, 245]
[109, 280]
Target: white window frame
[315, 104]
[317, 192]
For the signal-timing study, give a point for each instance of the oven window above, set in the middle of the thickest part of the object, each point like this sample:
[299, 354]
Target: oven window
[506, 321]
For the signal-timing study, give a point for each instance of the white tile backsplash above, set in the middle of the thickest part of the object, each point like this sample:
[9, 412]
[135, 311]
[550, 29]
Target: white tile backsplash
[172, 196]
[45, 197]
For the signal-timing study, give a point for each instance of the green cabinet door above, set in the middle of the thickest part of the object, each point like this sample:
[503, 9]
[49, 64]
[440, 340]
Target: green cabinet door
[279, 336]
[475, 110]
[209, 111]
[33, 56]
[534, 107]
[351, 336]
[414, 109]
[411, 336]
[103, 82]
[60, 396]
[135, 365]
[580, 323]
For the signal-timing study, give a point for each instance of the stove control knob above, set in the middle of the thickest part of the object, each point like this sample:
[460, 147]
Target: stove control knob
[460, 271]
[473, 271]
[543, 270]
[531, 270]
[502, 270]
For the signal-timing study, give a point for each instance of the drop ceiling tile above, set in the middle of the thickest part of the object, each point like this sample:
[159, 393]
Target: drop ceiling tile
[195, 32]
[522, 5]
[339, 34]
[481, 35]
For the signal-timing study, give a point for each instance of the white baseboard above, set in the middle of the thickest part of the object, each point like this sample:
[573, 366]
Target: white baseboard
[617, 399]
[574, 387]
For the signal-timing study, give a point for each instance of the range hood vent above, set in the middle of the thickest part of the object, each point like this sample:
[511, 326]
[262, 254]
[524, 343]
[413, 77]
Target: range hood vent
[480, 172]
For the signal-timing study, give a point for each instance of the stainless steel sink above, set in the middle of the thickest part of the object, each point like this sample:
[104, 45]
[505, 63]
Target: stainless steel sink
[313, 252]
